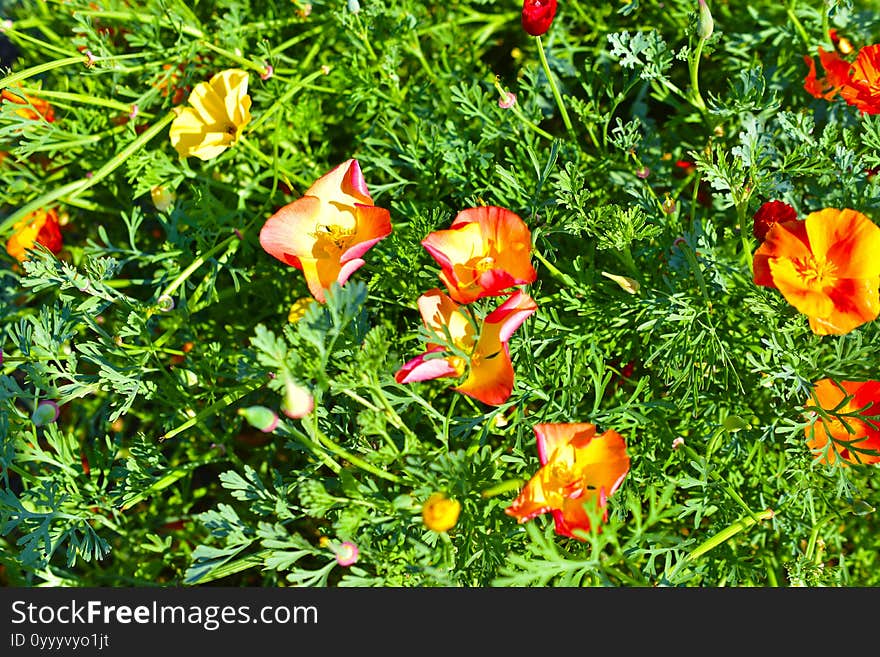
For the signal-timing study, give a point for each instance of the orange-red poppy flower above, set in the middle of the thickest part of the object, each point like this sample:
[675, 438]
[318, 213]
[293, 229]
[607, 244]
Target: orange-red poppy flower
[38, 227]
[836, 75]
[578, 468]
[853, 437]
[826, 266]
[483, 352]
[484, 253]
[770, 213]
[326, 232]
[863, 90]
[858, 82]
[35, 108]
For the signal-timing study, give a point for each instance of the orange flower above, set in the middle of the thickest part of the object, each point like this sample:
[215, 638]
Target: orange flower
[857, 83]
[836, 75]
[826, 266]
[853, 438]
[38, 227]
[486, 356]
[863, 90]
[484, 253]
[326, 231]
[577, 467]
[36, 107]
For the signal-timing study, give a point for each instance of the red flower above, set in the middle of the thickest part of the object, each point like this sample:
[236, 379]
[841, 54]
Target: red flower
[770, 213]
[537, 15]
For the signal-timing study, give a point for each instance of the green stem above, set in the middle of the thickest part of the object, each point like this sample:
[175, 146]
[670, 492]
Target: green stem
[727, 488]
[356, 461]
[77, 187]
[558, 275]
[223, 402]
[789, 9]
[729, 532]
[742, 220]
[691, 257]
[694, 67]
[315, 448]
[82, 98]
[554, 88]
[198, 262]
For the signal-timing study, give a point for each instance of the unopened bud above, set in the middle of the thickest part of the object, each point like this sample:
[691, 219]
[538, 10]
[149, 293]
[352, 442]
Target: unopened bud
[626, 283]
[705, 23]
[46, 412]
[298, 401]
[260, 417]
[163, 198]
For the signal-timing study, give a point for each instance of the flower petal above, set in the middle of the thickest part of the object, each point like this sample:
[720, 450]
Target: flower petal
[512, 313]
[422, 368]
[787, 239]
[550, 437]
[289, 234]
[848, 239]
[789, 281]
[343, 185]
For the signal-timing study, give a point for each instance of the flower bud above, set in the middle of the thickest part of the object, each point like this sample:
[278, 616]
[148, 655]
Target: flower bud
[46, 412]
[768, 215]
[163, 198]
[298, 401]
[626, 283]
[440, 513]
[346, 553]
[537, 15]
[705, 23]
[260, 417]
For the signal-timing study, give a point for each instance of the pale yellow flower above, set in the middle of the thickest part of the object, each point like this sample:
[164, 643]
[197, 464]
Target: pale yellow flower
[219, 110]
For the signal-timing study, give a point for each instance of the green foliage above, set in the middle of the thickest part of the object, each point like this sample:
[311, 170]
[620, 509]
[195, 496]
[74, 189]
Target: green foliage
[157, 323]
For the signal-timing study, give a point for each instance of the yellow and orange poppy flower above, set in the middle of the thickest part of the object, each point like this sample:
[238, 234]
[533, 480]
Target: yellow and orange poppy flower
[483, 353]
[218, 112]
[34, 108]
[826, 266]
[326, 232]
[484, 253]
[578, 467]
[38, 227]
[853, 438]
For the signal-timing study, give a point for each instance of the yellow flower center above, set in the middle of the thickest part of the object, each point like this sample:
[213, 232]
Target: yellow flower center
[816, 273]
[561, 475]
[457, 363]
[332, 238]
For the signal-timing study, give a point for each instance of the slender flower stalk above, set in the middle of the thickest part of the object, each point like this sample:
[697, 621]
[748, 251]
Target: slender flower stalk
[561, 105]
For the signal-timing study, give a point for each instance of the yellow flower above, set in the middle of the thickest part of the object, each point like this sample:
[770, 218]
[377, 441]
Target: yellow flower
[440, 513]
[220, 109]
[298, 309]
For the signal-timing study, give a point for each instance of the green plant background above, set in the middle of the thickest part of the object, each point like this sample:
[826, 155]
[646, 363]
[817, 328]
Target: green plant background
[152, 477]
